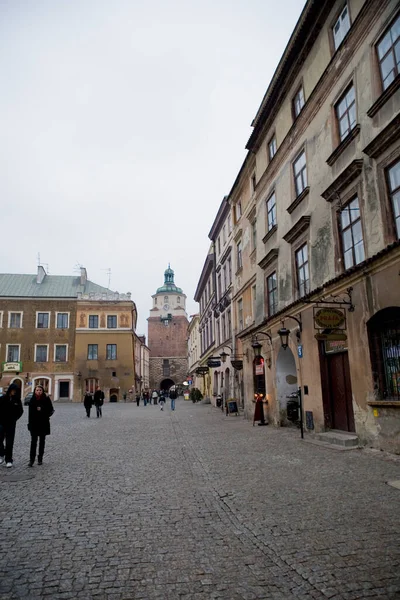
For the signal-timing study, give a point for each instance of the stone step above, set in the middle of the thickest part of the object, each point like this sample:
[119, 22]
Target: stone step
[338, 438]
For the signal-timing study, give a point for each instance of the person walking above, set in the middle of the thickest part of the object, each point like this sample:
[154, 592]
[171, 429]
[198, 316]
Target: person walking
[88, 402]
[154, 396]
[98, 401]
[10, 411]
[162, 399]
[173, 394]
[40, 411]
[137, 398]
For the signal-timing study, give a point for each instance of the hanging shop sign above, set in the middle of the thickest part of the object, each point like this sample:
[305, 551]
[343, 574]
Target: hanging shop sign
[333, 347]
[259, 369]
[12, 367]
[329, 318]
[213, 363]
[332, 336]
[202, 370]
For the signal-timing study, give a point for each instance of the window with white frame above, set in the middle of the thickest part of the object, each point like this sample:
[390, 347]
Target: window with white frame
[298, 102]
[111, 321]
[271, 211]
[93, 321]
[62, 320]
[388, 49]
[341, 27]
[15, 320]
[111, 352]
[352, 235]
[239, 255]
[240, 314]
[272, 147]
[41, 352]
[13, 352]
[42, 320]
[303, 277]
[219, 245]
[223, 328]
[254, 299]
[345, 111]
[238, 211]
[60, 352]
[394, 189]
[272, 294]
[1, 318]
[300, 173]
[254, 234]
[93, 352]
[229, 261]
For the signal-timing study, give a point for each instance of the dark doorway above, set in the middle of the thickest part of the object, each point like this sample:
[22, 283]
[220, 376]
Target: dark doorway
[166, 384]
[63, 389]
[336, 389]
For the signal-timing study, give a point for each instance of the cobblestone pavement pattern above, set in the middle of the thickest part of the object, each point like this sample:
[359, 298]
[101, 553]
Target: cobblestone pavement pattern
[194, 505]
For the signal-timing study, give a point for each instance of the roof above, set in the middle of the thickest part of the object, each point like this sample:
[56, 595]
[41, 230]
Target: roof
[52, 286]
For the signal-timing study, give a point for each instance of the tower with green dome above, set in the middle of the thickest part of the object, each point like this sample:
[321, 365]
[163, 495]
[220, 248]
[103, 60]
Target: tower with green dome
[167, 338]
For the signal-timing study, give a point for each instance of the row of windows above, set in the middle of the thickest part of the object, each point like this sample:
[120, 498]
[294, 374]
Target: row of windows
[15, 320]
[224, 279]
[60, 352]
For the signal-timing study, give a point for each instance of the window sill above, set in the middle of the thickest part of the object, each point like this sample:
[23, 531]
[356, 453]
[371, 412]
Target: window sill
[343, 145]
[298, 200]
[269, 234]
[383, 98]
[384, 403]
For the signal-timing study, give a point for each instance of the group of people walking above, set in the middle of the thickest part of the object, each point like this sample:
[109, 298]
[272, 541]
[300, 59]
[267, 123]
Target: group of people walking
[39, 413]
[158, 397]
[96, 399]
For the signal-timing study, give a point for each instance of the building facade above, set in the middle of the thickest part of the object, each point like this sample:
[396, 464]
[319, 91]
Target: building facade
[193, 337]
[167, 329]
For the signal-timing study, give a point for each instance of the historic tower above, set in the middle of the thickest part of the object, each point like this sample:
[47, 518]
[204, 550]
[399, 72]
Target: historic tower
[167, 338]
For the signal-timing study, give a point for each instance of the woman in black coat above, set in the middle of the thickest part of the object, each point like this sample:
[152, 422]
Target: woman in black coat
[10, 411]
[40, 411]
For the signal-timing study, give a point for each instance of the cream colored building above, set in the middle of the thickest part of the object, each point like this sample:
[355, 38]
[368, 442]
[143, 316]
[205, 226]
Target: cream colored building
[194, 350]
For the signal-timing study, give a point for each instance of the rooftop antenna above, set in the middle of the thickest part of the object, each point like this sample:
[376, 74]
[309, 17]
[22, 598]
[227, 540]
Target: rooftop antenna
[78, 267]
[108, 271]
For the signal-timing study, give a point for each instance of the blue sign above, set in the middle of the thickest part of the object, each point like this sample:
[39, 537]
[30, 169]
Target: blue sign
[300, 351]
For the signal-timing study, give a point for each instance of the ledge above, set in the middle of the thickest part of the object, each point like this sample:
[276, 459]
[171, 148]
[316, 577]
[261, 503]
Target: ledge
[298, 228]
[343, 180]
[383, 403]
[343, 145]
[269, 234]
[269, 258]
[383, 98]
[298, 200]
[384, 139]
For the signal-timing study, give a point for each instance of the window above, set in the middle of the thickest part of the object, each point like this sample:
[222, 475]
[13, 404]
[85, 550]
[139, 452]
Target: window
[1, 318]
[298, 102]
[15, 320]
[41, 353]
[384, 346]
[42, 320]
[229, 270]
[272, 148]
[254, 300]
[62, 321]
[341, 27]
[219, 287]
[217, 332]
[352, 236]
[229, 223]
[228, 323]
[13, 352]
[166, 372]
[300, 173]
[111, 321]
[240, 314]
[93, 321]
[345, 111]
[394, 187]
[253, 182]
[178, 300]
[303, 281]
[60, 353]
[165, 299]
[238, 211]
[224, 234]
[111, 351]
[223, 328]
[219, 245]
[92, 351]
[271, 211]
[224, 281]
[388, 50]
[272, 294]
[254, 234]
[91, 385]
[239, 255]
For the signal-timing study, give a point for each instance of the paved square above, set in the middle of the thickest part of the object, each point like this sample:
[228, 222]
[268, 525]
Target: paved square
[194, 505]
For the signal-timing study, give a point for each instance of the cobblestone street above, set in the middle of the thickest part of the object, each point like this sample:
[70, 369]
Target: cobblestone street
[194, 505]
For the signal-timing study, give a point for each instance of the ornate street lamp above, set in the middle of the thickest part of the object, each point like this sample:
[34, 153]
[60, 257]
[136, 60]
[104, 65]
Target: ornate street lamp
[224, 354]
[284, 335]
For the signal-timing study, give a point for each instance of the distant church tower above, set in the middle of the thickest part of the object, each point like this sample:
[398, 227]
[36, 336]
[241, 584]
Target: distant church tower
[167, 338]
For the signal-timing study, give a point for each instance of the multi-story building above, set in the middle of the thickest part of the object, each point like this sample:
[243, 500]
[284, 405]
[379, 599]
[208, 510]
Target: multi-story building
[39, 343]
[142, 354]
[194, 350]
[323, 171]
[168, 361]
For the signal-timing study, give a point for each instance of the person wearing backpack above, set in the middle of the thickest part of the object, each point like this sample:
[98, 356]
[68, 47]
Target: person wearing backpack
[173, 394]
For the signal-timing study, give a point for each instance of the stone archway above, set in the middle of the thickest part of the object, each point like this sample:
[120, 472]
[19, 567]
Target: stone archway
[166, 384]
[286, 379]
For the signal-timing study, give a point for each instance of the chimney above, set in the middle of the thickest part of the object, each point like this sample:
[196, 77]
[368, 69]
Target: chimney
[83, 276]
[41, 274]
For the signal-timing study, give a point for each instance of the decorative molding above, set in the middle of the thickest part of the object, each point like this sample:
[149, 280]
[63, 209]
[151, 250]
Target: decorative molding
[270, 234]
[298, 200]
[269, 258]
[384, 139]
[343, 180]
[107, 297]
[300, 227]
[238, 234]
[252, 214]
[343, 145]
[225, 255]
[383, 98]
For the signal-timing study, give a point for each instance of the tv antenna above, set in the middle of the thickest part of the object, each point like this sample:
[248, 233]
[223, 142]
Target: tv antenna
[108, 271]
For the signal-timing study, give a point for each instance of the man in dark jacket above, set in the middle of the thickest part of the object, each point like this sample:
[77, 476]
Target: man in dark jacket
[88, 402]
[98, 401]
[10, 411]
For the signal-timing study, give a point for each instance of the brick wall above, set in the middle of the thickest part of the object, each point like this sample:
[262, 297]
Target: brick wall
[168, 341]
[177, 370]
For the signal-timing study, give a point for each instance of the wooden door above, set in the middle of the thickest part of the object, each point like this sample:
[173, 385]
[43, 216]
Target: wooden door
[341, 405]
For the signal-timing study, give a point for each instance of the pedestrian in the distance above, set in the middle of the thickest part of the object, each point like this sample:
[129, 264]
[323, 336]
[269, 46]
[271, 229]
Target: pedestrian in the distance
[173, 394]
[40, 411]
[137, 398]
[88, 402]
[10, 411]
[162, 399]
[154, 396]
[98, 401]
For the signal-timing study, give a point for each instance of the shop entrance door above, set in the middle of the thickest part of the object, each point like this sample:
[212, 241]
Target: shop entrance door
[339, 391]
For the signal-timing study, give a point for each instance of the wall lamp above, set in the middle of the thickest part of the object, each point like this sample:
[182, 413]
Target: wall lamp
[256, 345]
[284, 333]
[224, 354]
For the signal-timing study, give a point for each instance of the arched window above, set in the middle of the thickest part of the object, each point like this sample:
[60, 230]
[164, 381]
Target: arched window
[91, 384]
[384, 346]
[155, 300]
[44, 382]
[178, 299]
[165, 298]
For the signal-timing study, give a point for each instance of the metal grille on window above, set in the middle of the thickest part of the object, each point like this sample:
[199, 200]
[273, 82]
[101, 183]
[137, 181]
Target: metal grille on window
[385, 353]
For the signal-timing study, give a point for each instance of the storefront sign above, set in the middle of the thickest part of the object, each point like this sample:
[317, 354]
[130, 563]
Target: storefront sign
[329, 318]
[259, 369]
[12, 367]
[332, 347]
[334, 336]
[213, 363]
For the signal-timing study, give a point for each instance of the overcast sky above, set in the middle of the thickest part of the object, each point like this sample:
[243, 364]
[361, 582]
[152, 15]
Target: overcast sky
[123, 124]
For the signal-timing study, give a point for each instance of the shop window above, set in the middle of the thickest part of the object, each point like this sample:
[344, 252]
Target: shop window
[384, 343]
